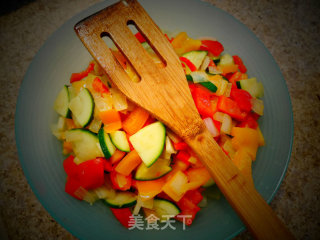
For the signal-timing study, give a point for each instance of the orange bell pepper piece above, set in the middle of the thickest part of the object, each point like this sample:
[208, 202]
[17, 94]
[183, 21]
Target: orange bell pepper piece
[128, 163]
[149, 189]
[117, 156]
[111, 120]
[135, 121]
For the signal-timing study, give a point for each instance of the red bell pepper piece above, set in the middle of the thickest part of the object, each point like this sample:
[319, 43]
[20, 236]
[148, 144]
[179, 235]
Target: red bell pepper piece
[72, 186]
[183, 156]
[187, 208]
[123, 216]
[78, 76]
[233, 78]
[99, 86]
[107, 166]
[215, 47]
[249, 121]
[180, 146]
[149, 121]
[202, 100]
[230, 107]
[243, 98]
[120, 182]
[170, 40]
[188, 63]
[91, 173]
[140, 38]
[194, 196]
[237, 60]
[70, 167]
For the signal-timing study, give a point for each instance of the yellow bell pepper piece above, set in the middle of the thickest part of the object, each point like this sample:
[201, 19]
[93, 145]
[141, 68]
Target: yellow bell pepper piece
[243, 162]
[247, 139]
[182, 43]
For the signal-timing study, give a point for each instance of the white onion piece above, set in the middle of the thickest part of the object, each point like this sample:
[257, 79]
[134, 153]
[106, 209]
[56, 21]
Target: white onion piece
[205, 63]
[257, 106]
[226, 124]
[119, 99]
[211, 127]
[218, 116]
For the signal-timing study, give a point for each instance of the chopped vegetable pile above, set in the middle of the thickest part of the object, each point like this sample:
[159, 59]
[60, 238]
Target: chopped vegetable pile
[119, 154]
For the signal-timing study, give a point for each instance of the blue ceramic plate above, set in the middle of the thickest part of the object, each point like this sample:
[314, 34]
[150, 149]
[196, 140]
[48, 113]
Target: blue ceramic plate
[63, 53]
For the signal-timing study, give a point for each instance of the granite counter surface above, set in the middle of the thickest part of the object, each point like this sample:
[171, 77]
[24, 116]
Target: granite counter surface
[289, 29]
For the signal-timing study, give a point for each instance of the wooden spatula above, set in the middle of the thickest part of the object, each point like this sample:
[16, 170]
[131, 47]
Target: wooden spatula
[164, 92]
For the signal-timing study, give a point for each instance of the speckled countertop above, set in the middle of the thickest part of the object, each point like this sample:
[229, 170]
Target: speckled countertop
[289, 29]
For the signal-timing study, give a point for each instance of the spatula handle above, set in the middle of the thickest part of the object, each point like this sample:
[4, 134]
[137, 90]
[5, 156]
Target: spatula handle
[247, 202]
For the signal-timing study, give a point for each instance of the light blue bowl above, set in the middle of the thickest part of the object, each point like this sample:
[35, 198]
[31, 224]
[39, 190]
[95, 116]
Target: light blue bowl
[63, 53]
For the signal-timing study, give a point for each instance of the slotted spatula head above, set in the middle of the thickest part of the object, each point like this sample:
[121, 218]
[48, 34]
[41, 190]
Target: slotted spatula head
[164, 93]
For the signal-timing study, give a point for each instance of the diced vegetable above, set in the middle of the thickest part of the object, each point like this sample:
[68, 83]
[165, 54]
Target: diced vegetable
[165, 208]
[230, 107]
[85, 144]
[237, 60]
[78, 76]
[135, 121]
[91, 173]
[157, 170]
[247, 139]
[188, 211]
[120, 181]
[105, 142]
[117, 156]
[123, 215]
[149, 189]
[211, 127]
[252, 86]
[122, 200]
[213, 47]
[119, 100]
[182, 43]
[195, 57]
[111, 120]
[82, 107]
[243, 161]
[61, 104]
[120, 141]
[257, 106]
[174, 187]
[149, 142]
[202, 101]
[128, 163]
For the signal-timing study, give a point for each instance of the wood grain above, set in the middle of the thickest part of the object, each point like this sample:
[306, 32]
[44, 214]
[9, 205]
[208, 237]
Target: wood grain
[164, 93]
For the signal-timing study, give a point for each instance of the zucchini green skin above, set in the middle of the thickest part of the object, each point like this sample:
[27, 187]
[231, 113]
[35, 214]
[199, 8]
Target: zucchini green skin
[135, 177]
[125, 205]
[189, 78]
[165, 207]
[119, 140]
[105, 143]
[84, 119]
[210, 86]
